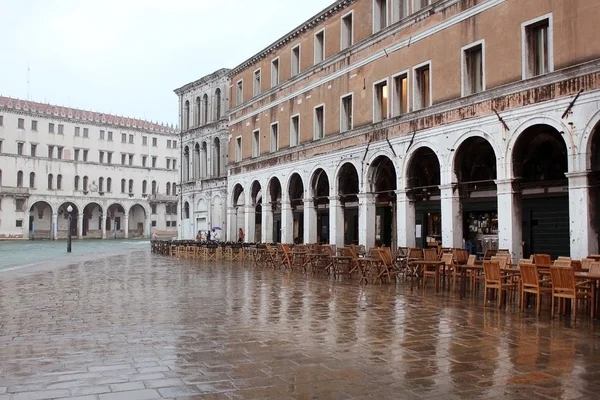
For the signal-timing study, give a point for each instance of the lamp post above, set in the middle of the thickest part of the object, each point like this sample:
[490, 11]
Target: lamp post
[69, 210]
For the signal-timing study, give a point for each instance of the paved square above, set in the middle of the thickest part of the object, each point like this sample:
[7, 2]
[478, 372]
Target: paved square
[144, 326]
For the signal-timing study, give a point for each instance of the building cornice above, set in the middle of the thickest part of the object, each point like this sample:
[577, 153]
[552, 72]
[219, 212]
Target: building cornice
[327, 13]
[223, 72]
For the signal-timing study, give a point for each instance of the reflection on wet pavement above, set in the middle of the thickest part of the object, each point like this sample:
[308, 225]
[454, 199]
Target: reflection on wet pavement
[144, 326]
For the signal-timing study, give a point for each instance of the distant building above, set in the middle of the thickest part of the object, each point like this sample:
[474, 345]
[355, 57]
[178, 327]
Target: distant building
[118, 174]
[204, 104]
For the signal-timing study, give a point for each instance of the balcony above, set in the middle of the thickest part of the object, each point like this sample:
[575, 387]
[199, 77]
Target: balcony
[14, 191]
[162, 198]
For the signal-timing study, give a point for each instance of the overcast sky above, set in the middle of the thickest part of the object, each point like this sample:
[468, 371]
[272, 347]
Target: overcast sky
[126, 56]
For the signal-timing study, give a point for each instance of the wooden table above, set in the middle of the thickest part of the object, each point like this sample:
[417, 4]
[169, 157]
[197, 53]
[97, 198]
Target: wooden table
[339, 261]
[436, 264]
[595, 278]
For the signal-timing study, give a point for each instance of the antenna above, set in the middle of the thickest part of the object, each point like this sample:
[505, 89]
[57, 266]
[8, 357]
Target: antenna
[28, 81]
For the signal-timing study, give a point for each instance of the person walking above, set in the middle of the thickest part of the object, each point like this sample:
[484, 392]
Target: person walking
[241, 235]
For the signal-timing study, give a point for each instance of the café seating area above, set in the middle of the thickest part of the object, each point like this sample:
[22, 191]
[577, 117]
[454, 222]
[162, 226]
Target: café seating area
[566, 286]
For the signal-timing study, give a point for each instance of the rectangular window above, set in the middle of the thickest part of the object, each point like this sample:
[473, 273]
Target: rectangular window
[318, 122]
[59, 153]
[256, 85]
[153, 208]
[275, 72]
[144, 140]
[34, 125]
[75, 155]
[86, 132]
[33, 148]
[123, 138]
[238, 149]
[422, 88]
[20, 148]
[20, 204]
[419, 4]
[174, 166]
[168, 163]
[101, 135]
[154, 142]
[472, 77]
[399, 10]
[154, 162]
[77, 131]
[347, 31]
[538, 57]
[295, 130]
[50, 152]
[1, 120]
[50, 127]
[379, 15]
[380, 100]
[319, 46]
[123, 158]
[144, 159]
[130, 139]
[174, 144]
[85, 155]
[168, 144]
[131, 159]
[154, 224]
[296, 60]
[61, 129]
[239, 94]
[274, 137]
[110, 136]
[21, 123]
[109, 157]
[400, 95]
[101, 157]
[346, 113]
[19, 223]
[255, 143]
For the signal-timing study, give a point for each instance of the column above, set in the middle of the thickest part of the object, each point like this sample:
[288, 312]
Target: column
[510, 231]
[232, 228]
[287, 222]
[336, 222]
[267, 223]
[452, 221]
[310, 221]
[103, 226]
[54, 227]
[148, 226]
[405, 220]
[26, 231]
[584, 237]
[80, 226]
[126, 225]
[250, 222]
[366, 220]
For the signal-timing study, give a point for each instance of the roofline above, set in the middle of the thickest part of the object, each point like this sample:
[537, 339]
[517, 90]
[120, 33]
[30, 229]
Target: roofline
[328, 12]
[215, 75]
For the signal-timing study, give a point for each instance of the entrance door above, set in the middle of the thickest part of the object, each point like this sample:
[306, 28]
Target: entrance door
[384, 226]
[277, 228]
[546, 226]
[323, 225]
[350, 226]
[298, 227]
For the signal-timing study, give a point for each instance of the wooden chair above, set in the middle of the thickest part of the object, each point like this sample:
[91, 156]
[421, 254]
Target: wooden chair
[562, 263]
[489, 253]
[542, 259]
[460, 257]
[414, 254]
[564, 288]
[430, 271]
[531, 283]
[286, 256]
[586, 263]
[501, 260]
[595, 268]
[495, 280]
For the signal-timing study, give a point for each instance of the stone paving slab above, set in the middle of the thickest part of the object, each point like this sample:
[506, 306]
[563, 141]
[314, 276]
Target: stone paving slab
[143, 326]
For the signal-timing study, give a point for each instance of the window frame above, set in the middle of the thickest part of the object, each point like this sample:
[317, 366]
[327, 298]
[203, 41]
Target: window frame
[277, 141]
[416, 87]
[257, 89]
[525, 26]
[276, 59]
[297, 132]
[351, 15]
[257, 143]
[322, 105]
[239, 93]
[320, 31]
[464, 81]
[342, 116]
[374, 93]
[374, 19]
[299, 60]
[238, 148]
[408, 97]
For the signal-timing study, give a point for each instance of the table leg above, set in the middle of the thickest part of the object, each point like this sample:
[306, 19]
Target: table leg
[463, 282]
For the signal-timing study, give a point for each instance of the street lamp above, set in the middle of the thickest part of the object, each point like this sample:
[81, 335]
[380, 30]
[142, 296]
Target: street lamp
[69, 210]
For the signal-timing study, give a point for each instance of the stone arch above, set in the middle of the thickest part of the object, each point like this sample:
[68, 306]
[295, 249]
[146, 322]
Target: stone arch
[186, 163]
[137, 219]
[294, 178]
[41, 205]
[216, 157]
[591, 135]
[463, 138]
[197, 163]
[40, 220]
[92, 220]
[378, 164]
[62, 221]
[198, 111]
[474, 159]
[217, 104]
[410, 156]
[237, 192]
[186, 210]
[205, 108]
[274, 189]
[319, 181]
[186, 115]
[255, 192]
[336, 172]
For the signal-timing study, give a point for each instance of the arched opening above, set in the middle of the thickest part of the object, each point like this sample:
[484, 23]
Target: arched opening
[423, 189]
[59, 182]
[92, 221]
[40, 220]
[320, 190]
[257, 200]
[204, 160]
[382, 181]
[144, 186]
[539, 163]
[594, 182]
[62, 222]
[186, 115]
[76, 183]
[50, 182]
[198, 111]
[197, 162]
[174, 189]
[217, 218]
[20, 179]
[114, 221]
[201, 215]
[274, 199]
[31, 180]
[101, 185]
[85, 183]
[218, 104]
[108, 185]
[240, 210]
[348, 188]
[216, 161]
[137, 217]
[296, 193]
[475, 169]
[168, 188]
[123, 185]
[186, 210]
[153, 187]
[130, 191]
[186, 164]
[205, 108]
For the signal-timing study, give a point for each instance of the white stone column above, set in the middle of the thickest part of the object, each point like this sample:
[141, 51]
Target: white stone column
[250, 222]
[452, 221]
[266, 226]
[103, 226]
[232, 235]
[126, 225]
[80, 225]
[287, 223]
[584, 238]
[510, 230]
[336, 222]
[366, 220]
[54, 227]
[26, 231]
[310, 221]
[148, 227]
[405, 220]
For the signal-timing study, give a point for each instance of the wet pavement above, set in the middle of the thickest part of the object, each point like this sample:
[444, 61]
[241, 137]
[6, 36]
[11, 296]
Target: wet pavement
[143, 326]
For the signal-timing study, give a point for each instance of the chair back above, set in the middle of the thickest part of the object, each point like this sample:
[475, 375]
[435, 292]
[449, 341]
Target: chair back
[402, 252]
[576, 265]
[415, 253]
[543, 259]
[472, 259]
[447, 259]
[586, 263]
[595, 267]
[430, 254]
[286, 249]
[563, 279]
[328, 249]
[489, 253]
[529, 274]
[461, 256]
[501, 260]
[491, 271]
[562, 263]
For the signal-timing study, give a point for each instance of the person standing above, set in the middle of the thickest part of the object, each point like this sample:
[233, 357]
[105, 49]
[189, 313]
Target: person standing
[208, 236]
[241, 235]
